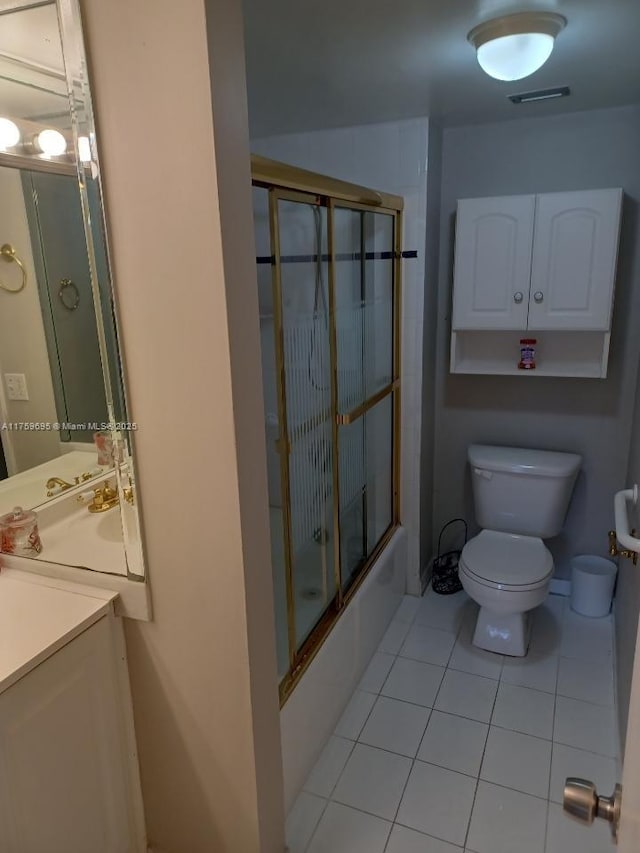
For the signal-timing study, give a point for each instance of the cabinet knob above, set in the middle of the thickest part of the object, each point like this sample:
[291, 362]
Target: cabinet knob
[538, 296]
[518, 297]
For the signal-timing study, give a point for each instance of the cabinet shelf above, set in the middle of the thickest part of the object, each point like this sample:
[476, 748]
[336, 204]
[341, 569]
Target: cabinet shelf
[582, 355]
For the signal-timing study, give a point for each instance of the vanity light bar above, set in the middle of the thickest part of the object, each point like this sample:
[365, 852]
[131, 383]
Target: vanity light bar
[24, 138]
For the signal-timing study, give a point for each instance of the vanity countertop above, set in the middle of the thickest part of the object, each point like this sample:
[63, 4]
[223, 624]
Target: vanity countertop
[39, 615]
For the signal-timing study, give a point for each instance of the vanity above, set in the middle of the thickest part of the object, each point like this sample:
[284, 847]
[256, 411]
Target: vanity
[69, 778]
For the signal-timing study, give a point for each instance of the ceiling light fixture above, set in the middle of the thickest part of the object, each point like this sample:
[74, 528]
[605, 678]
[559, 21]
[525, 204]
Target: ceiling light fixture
[514, 46]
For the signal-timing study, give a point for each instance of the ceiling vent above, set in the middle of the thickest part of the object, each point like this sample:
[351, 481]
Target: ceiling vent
[540, 95]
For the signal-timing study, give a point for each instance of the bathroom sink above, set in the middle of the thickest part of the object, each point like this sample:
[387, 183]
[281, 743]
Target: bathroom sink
[74, 536]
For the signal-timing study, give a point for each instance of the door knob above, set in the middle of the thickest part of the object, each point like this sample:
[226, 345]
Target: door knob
[581, 800]
[538, 296]
[518, 297]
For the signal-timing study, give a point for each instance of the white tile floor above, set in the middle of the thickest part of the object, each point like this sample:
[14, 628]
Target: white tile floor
[446, 748]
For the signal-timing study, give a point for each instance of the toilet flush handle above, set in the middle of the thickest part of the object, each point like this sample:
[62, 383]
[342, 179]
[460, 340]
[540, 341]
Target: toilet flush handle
[480, 472]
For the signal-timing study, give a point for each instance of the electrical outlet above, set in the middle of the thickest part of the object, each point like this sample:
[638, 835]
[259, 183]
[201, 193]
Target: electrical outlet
[16, 386]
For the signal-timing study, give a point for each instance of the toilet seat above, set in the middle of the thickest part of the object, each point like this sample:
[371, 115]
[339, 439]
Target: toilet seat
[507, 561]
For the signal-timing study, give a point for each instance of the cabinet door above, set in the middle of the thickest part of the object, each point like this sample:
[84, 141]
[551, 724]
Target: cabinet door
[63, 785]
[493, 262]
[575, 250]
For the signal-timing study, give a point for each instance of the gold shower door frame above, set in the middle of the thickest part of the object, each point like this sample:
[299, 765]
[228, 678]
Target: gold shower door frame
[353, 198]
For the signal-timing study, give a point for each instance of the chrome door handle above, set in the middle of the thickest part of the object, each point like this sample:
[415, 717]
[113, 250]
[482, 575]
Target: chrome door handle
[582, 801]
[518, 297]
[538, 296]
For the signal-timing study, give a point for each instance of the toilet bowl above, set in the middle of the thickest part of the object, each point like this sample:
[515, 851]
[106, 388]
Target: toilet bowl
[508, 575]
[521, 497]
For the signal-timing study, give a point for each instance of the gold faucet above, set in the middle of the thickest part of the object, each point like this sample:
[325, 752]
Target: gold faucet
[614, 551]
[52, 482]
[103, 499]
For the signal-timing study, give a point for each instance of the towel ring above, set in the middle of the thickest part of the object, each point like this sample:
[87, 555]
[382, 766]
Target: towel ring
[64, 284]
[8, 253]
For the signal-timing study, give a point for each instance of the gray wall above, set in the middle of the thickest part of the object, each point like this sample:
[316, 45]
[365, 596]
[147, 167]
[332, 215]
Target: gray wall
[586, 150]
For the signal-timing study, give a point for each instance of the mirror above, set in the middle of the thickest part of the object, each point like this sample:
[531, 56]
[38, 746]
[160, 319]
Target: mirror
[65, 441]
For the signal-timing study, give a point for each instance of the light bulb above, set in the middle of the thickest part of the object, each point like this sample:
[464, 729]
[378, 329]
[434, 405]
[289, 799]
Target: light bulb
[84, 149]
[516, 56]
[9, 134]
[51, 142]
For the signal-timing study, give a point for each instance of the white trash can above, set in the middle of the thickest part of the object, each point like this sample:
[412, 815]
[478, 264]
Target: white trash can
[592, 582]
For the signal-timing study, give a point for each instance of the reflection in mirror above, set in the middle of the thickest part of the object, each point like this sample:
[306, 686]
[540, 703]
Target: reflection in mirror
[65, 444]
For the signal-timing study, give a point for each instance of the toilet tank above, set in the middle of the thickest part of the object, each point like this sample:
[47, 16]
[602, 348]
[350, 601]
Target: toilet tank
[517, 490]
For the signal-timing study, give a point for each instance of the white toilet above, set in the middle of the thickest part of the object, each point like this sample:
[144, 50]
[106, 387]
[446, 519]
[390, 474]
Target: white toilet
[521, 497]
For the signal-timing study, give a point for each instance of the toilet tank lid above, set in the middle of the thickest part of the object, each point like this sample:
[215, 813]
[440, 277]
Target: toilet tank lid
[521, 460]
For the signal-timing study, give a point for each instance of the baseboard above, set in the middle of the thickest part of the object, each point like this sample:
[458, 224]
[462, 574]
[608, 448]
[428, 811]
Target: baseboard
[560, 586]
[425, 575]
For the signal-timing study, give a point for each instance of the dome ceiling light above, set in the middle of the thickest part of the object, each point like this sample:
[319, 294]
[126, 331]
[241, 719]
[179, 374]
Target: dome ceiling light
[514, 46]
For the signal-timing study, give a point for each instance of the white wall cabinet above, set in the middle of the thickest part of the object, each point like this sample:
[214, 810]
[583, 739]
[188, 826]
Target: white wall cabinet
[68, 774]
[575, 249]
[494, 237]
[544, 265]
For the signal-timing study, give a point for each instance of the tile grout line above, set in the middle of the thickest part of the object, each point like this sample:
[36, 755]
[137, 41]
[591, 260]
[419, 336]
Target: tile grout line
[553, 728]
[430, 709]
[354, 743]
[414, 759]
[435, 699]
[316, 824]
[357, 739]
[404, 788]
[484, 751]
[329, 799]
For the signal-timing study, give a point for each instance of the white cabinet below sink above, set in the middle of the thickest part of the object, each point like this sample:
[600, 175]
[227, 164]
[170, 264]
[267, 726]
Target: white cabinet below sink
[68, 776]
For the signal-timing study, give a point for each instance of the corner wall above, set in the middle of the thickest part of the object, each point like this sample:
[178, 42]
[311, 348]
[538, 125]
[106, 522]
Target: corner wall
[574, 151]
[430, 321]
[203, 673]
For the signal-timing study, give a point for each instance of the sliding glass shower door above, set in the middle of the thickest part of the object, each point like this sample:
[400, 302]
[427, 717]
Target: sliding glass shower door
[364, 328]
[302, 300]
[329, 326]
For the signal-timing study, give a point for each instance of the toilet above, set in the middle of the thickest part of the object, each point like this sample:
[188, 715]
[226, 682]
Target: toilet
[521, 497]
